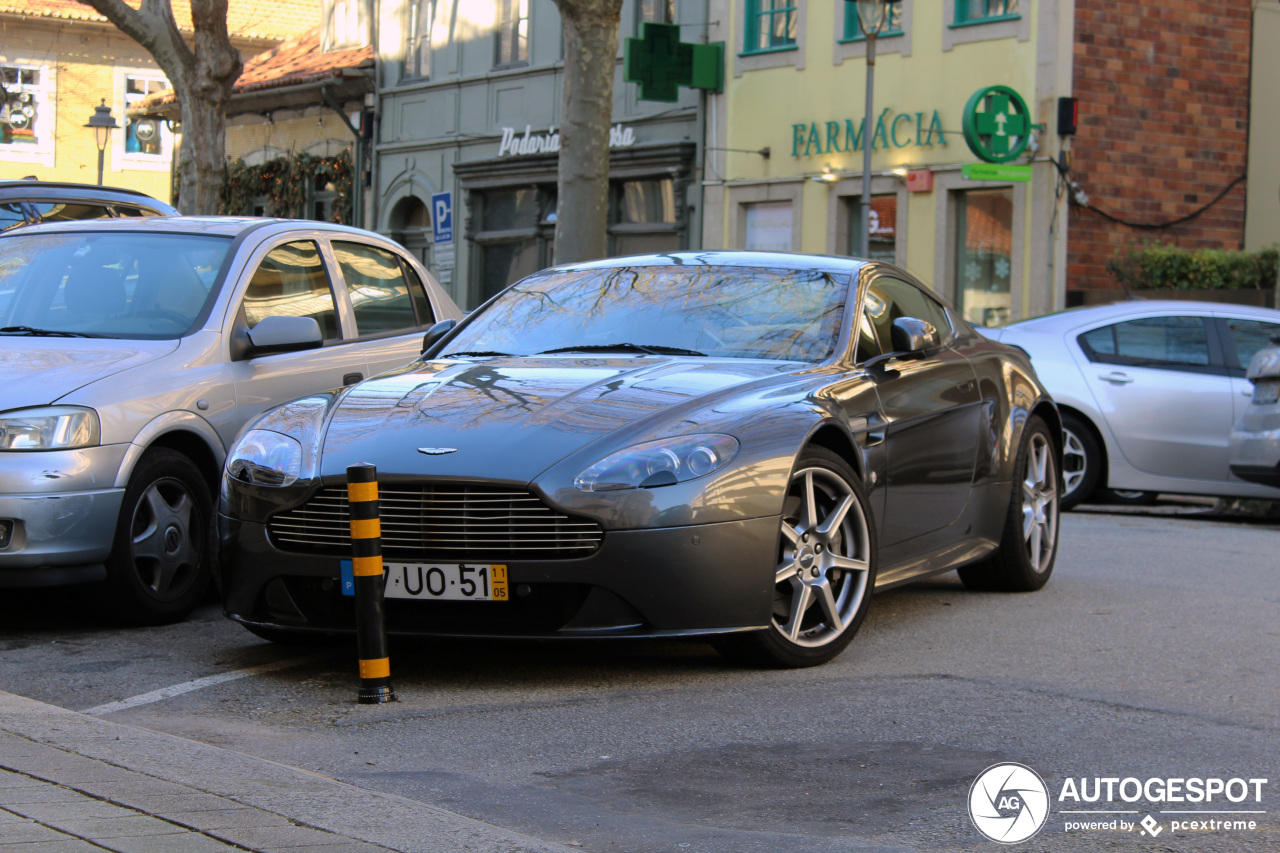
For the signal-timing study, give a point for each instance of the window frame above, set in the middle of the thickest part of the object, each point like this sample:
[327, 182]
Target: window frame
[43, 93]
[963, 17]
[359, 34]
[121, 159]
[411, 66]
[853, 30]
[753, 14]
[518, 28]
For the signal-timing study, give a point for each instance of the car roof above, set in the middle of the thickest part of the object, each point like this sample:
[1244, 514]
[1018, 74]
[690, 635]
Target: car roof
[35, 190]
[1088, 314]
[223, 226]
[772, 260]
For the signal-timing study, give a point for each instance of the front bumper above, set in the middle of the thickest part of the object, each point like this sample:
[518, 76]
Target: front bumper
[59, 509]
[702, 579]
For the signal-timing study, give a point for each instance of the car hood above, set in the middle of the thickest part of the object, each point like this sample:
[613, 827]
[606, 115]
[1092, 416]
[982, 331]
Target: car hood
[39, 371]
[512, 418]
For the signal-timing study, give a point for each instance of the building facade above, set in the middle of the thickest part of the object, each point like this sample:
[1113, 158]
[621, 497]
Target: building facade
[465, 160]
[786, 142]
[60, 59]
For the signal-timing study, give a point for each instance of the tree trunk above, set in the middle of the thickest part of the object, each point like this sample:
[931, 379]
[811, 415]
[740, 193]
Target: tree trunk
[202, 74]
[590, 61]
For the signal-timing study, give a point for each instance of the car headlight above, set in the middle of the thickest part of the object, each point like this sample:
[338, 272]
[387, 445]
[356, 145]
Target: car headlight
[49, 428]
[659, 463]
[265, 458]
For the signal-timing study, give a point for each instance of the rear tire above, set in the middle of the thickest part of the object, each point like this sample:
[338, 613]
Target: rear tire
[160, 563]
[826, 568]
[1029, 544]
[1082, 461]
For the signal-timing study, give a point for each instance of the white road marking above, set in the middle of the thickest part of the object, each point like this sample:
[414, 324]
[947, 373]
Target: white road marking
[187, 687]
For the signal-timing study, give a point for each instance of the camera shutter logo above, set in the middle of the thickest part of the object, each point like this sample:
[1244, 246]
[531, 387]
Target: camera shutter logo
[1008, 803]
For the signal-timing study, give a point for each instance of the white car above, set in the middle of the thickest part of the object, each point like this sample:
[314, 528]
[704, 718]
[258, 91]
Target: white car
[132, 351]
[1149, 391]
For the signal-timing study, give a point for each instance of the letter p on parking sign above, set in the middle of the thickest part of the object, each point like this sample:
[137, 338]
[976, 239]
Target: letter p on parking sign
[442, 218]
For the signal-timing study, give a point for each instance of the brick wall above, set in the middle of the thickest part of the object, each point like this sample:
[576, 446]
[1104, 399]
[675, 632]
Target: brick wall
[1164, 120]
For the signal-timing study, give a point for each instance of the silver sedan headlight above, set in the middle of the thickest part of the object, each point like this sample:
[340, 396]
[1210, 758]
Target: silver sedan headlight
[659, 463]
[265, 458]
[49, 428]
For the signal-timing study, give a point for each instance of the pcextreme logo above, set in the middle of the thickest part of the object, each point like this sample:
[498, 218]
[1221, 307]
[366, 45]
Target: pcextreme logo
[1010, 803]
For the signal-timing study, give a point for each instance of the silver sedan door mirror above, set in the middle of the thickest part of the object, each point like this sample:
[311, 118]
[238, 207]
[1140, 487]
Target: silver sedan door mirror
[284, 334]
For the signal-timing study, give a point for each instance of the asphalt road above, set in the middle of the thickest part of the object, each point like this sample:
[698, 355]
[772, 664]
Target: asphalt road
[1152, 653]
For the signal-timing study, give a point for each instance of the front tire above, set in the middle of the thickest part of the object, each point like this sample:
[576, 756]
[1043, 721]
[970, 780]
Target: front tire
[826, 568]
[1029, 544]
[159, 568]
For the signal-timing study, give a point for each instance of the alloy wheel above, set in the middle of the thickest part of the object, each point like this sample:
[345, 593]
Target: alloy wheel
[1040, 503]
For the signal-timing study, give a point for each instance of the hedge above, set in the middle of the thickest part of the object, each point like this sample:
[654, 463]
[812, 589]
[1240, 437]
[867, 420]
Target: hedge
[1156, 267]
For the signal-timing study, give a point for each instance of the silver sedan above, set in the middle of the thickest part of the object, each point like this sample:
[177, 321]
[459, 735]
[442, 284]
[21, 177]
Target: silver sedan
[1148, 390]
[133, 352]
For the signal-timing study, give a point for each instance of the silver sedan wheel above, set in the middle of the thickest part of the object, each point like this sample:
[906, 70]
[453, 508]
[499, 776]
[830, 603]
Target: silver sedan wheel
[1075, 462]
[823, 574]
[1040, 503]
[165, 539]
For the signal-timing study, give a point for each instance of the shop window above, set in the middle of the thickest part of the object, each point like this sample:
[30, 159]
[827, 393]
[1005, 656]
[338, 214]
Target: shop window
[771, 25]
[883, 245]
[646, 218]
[25, 114]
[984, 11]
[146, 139]
[417, 61]
[324, 195]
[515, 236]
[291, 282]
[853, 32]
[984, 255]
[768, 226]
[511, 39]
[657, 11]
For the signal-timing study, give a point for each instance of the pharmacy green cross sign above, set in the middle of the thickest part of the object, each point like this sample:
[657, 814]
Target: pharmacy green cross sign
[661, 63]
[997, 124]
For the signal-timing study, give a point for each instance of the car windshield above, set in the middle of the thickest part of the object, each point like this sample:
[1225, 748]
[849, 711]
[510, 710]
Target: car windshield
[135, 285]
[735, 312]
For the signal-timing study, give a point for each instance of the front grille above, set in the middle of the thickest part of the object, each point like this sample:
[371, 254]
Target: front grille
[439, 522]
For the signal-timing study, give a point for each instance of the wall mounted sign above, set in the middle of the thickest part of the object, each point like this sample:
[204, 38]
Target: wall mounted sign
[997, 124]
[995, 172]
[620, 136]
[896, 131]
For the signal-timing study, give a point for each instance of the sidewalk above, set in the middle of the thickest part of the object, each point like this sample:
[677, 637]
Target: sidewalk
[72, 783]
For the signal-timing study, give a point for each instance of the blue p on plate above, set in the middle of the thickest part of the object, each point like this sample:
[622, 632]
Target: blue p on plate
[348, 578]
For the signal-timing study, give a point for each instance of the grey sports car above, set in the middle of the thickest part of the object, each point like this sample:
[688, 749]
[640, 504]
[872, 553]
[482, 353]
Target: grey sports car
[736, 445]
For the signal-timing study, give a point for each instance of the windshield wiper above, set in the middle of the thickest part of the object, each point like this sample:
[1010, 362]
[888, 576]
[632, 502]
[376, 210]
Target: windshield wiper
[44, 333]
[477, 354]
[650, 349]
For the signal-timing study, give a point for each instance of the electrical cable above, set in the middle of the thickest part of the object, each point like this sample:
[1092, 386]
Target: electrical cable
[1081, 198]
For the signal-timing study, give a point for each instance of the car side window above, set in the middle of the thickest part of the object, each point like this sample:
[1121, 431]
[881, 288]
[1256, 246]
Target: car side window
[11, 216]
[891, 298]
[1246, 337]
[383, 298]
[1173, 342]
[291, 282]
[71, 211]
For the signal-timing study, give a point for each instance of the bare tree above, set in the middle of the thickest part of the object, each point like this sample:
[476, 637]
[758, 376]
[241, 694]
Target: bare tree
[201, 72]
[590, 60]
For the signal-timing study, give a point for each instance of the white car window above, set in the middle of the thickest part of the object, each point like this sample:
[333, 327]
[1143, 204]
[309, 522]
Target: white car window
[1175, 342]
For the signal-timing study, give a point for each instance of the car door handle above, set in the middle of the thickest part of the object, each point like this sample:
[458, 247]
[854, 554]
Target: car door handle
[352, 378]
[1116, 378]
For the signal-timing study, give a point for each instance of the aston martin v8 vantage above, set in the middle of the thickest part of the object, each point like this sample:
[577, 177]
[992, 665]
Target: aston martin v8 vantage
[741, 446]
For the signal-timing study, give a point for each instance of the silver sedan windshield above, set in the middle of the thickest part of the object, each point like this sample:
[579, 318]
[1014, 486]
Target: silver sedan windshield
[733, 312]
[132, 285]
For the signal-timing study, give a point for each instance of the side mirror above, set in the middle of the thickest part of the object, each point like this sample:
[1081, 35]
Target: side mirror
[284, 334]
[436, 332]
[910, 335]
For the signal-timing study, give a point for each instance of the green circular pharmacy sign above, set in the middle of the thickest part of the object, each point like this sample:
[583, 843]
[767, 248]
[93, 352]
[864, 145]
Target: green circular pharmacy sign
[997, 124]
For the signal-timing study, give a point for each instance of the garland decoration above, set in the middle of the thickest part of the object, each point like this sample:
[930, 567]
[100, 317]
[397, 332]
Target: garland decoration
[287, 184]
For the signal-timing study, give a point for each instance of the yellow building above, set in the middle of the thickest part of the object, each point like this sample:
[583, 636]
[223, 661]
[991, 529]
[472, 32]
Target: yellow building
[784, 144]
[59, 59]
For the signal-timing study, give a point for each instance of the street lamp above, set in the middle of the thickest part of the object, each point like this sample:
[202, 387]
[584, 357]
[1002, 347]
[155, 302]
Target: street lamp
[102, 123]
[872, 16]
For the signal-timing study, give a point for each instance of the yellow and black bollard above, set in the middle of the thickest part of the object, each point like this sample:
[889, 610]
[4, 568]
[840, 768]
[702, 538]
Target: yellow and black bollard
[366, 565]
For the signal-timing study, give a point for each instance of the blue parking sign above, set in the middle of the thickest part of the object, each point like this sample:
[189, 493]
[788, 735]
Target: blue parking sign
[442, 218]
